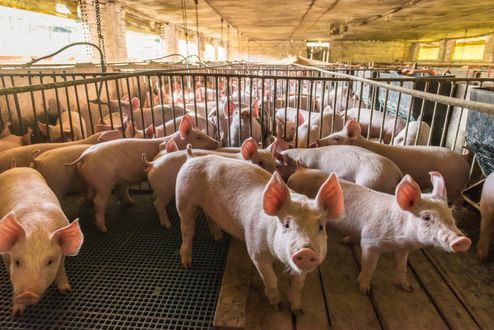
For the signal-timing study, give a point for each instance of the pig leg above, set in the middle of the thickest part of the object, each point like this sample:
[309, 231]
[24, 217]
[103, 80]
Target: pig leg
[401, 271]
[18, 309]
[295, 293]
[123, 194]
[160, 208]
[99, 201]
[187, 212]
[486, 230]
[61, 279]
[269, 278]
[214, 229]
[368, 266]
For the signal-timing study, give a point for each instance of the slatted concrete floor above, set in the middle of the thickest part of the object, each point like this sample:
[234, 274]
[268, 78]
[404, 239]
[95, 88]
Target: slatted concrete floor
[450, 291]
[130, 278]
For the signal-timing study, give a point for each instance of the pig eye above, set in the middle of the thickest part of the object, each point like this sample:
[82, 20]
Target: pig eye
[337, 139]
[321, 228]
[198, 137]
[426, 217]
[286, 224]
[17, 263]
[49, 262]
[261, 164]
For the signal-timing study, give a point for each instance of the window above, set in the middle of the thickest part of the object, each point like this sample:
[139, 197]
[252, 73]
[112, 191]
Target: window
[221, 54]
[27, 34]
[209, 53]
[428, 51]
[469, 49]
[186, 51]
[143, 46]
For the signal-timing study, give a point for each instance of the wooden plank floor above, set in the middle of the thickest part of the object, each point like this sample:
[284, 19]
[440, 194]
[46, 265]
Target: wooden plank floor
[451, 291]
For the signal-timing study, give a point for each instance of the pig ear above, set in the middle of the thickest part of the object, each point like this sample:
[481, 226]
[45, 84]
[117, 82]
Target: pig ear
[110, 135]
[249, 148]
[26, 138]
[407, 193]
[229, 108]
[150, 130]
[301, 119]
[276, 195]
[255, 108]
[298, 165]
[186, 126]
[69, 237]
[353, 129]
[135, 103]
[43, 128]
[10, 232]
[330, 198]
[125, 98]
[171, 146]
[5, 131]
[439, 186]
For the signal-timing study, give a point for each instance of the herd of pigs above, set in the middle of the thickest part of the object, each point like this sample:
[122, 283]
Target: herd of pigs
[279, 200]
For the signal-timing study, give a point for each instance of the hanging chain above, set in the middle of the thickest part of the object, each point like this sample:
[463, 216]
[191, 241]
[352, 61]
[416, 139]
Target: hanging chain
[85, 27]
[228, 41]
[197, 28]
[222, 32]
[99, 29]
[184, 19]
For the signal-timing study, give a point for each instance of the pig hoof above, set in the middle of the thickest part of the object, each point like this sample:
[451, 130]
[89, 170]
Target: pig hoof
[166, 224]
[405, 286]
[276, 306]
[64, 288]
[129, 202]
[481, 255]
[18, 309]
[298, 311]
[102, 229]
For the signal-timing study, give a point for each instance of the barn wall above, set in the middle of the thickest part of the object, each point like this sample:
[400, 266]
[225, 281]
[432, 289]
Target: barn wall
[269, 50]
[366, 51]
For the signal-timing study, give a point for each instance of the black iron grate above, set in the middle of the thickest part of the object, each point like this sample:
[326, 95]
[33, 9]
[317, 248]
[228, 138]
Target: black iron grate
[130, 278]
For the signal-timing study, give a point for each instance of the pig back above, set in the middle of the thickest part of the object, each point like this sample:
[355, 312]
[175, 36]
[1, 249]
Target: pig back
[25, 192]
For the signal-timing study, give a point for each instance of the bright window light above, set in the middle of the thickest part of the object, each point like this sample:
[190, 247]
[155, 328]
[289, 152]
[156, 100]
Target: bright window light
[62, 9]
[27, 34]
[209, 53]
[318, 44]
[182, 48]
[143, 46]
[469, 49]
[221, 54]
[428, 51]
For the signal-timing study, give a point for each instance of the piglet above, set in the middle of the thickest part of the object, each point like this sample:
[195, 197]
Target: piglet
[310, 130]
[70, 123]
[417, 161]
[9, 141]
[171, 126]
[276, 223]
[61, 179]
[286, 122]
[118, 164]
[21, 156]
[487, 221]
[35, 237]
[162, 174]
[244, 124]
[385, 223]
[348, 162]
[418, 127]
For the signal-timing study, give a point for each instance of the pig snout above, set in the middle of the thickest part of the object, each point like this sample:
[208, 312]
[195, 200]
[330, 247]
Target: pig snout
[305, 259]
[460, 244]
[26, 297]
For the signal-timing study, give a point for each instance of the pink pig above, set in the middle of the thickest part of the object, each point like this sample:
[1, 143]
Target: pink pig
[35, 237]
[9, 141]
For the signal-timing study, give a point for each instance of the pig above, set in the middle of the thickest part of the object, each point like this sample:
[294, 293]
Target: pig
[72, 125]
[389, 130]
[244, 124]
[275, 223]
[307, 135]
[22, 155]
[113, 121]
[9, 141]
[291, 122]
[305, 103]
[411, 135]
[341, 95]
[162, 174]
[487, 214]
[118, 163]
[169, 126]
[61, 179]
[417, 161]
[35, 237]
[349, 163]
[399, 224]
[218, 118]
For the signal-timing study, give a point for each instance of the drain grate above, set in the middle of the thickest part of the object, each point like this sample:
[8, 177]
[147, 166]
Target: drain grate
[130, 278]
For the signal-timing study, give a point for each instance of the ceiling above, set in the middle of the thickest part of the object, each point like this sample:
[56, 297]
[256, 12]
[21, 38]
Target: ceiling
[414, 20]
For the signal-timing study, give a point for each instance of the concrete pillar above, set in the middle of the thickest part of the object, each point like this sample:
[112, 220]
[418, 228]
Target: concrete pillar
[215, 44]
[442, 50]
[489, 49]
[448, 50]
[112, 18]
[169, 38]
[201, 45]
